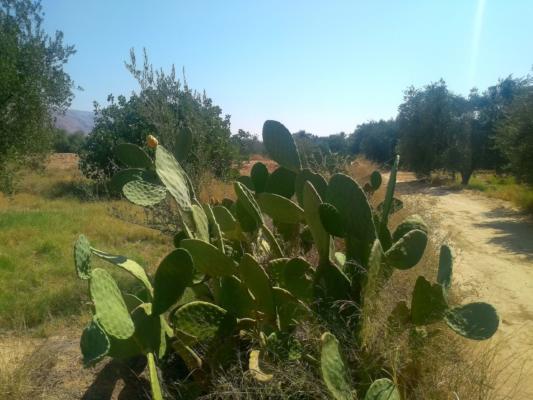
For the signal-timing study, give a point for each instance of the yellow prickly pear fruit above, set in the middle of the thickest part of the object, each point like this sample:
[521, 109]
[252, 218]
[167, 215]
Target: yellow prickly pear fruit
[151, 141]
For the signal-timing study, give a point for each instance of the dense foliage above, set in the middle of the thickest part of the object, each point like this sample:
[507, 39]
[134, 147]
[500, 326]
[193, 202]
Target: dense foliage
[65, 142]
[376, 140]
[33, 84]
[248, 275]
[185, 121]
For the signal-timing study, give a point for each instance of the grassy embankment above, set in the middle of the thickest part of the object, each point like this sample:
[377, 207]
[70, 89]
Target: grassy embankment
[502, 187]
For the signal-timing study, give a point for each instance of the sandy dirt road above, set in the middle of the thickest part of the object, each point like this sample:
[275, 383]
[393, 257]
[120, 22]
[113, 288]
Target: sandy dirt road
[493, 244]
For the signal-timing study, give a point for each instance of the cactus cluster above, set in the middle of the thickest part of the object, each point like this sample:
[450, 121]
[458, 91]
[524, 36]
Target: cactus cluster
[239, 269]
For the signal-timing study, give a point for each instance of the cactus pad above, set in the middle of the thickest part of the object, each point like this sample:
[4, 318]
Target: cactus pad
[375, 180]
[94, 344]
[259, 175]
[247, 201]
[478, 321]
[233, 296]
[173, 275]
[317, 180]
[331, 220]
[407, 251]
[124, 176]
[144, 193]
[280, 209]
[311, 202]
[128, 265]
[334, 371]
[282, 182]
[382, 389]
[82, 257]
[444, 274]
[110, 309]
[351, 202]
[257, 281]
[173, 177]
[133, 156]
[208, 259]
[412, 222]
[296, 278]
[201, 223]
[428, 303]
[200, 320]
[280, 145]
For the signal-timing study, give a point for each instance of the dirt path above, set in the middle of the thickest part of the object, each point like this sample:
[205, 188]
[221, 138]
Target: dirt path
[494, 262]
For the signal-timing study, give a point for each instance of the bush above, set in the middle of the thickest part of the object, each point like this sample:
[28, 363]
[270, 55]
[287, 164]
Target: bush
[65, 142]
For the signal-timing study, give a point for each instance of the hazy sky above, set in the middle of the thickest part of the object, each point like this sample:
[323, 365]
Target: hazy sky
[322, 66]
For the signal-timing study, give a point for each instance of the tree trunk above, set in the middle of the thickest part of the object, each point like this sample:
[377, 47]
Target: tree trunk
[465, 177]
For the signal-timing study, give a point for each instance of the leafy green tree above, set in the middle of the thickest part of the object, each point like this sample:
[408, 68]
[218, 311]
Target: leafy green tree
[514, 134]
[376, 140]
[121, 121]
[65, 142]
[247, 144]
[175, 109]
[33, 85]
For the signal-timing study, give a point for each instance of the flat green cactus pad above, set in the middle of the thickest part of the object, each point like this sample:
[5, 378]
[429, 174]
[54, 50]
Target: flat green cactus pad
[289, 309]
[297, 280]
[412, 222]
[144, 193]
[208, 259]
[257, 281]
[280, 209]
[128, 265]
[334, 371]
[82, 257]
[317, 180]
[351, 202]
[407, 251]
[382, 389]
[201, 223]
[281, 182]
[332, 220]
[246, 181]
[173, 275]
[375, 180]
[133, 156]
[247, 201]
[389, 194]
[259, 175]
[247, 223]
[478, 321]
[311, 202]
[110, 308]
[124, 176]
[280, 145]
[225, 219]
[233, 296]
[201, 320]
[173, 177]
[428, 303]
[445, 272]
[94, 344]
[396, 205]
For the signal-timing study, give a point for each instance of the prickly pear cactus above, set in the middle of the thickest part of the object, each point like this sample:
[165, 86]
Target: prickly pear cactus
[334, 371]
[82, 257]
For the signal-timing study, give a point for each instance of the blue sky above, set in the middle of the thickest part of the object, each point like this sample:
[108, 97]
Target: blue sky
[322, 66]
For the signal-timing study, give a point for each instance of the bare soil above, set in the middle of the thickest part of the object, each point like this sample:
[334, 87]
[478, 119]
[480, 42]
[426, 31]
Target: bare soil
[493, 244]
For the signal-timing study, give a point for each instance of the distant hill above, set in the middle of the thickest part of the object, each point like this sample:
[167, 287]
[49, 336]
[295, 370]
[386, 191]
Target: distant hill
[75, 121]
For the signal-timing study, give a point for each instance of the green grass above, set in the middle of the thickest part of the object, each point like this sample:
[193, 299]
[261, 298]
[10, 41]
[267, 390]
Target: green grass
[505, 188]
[37, 232]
